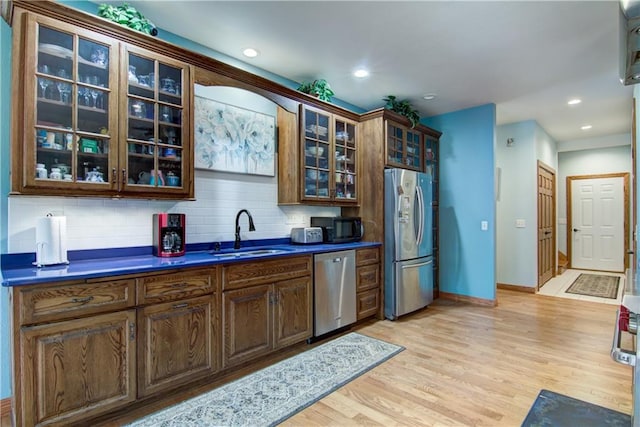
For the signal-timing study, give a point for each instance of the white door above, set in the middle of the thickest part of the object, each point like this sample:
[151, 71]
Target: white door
[597, 222]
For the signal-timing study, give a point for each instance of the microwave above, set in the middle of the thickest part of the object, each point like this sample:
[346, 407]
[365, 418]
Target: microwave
[339, 229]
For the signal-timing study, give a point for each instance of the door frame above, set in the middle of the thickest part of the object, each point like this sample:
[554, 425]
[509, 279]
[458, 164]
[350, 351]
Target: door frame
[554, 231]
[625, 185]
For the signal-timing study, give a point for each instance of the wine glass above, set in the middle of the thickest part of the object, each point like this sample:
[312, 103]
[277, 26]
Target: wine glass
[94, 94]
[62, 86]
[44, 84]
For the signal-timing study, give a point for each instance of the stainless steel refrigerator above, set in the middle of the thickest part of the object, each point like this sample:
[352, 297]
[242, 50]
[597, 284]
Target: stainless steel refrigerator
[408, 242]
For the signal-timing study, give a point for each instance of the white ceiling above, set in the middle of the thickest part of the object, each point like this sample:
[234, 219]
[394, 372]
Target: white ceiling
[527, 57]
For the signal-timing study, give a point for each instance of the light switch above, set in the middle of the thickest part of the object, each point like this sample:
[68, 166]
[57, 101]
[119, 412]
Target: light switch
[520, 223]
[484, 225]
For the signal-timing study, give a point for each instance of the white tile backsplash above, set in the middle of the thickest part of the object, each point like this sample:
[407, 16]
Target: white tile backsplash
[96, 223]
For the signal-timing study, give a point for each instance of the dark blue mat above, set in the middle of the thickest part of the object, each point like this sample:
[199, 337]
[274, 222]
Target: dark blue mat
[557, 410]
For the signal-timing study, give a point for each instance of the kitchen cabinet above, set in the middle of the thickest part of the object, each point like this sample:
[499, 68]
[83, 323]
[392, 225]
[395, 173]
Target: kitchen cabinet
[368, 288]
[317, 158]
[432, 166]
[81, 361]
[373, 129]
[179, 338]
[99, 116]
[266, 305]
[404, 146]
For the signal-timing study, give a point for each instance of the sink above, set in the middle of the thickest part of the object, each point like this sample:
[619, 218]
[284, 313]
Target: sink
[249, 253]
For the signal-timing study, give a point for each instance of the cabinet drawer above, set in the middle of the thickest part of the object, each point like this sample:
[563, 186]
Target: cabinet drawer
[170, 287]
[368, 303]
[62, 302]
[367, 256]
[367, 277]
[255, 273]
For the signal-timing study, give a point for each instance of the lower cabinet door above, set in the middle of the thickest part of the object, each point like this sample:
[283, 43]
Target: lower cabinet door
[293, 312]
[178, 342]
[247, 323]
[76, 369]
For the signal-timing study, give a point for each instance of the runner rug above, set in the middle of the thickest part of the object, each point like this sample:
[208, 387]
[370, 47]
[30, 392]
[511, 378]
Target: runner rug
[558, 410]
[595, 285]
[275, 393]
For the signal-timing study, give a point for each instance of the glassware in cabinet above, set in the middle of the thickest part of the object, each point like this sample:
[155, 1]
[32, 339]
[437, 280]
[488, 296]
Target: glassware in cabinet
[72, 88]
[155, 118]
[345, 160]
[316, 154]
[329, 166]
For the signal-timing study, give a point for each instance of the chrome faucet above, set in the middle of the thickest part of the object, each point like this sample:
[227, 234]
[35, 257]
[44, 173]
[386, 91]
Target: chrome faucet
[252, 227]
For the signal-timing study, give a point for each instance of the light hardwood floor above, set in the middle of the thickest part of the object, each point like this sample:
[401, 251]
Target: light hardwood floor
[467, 365]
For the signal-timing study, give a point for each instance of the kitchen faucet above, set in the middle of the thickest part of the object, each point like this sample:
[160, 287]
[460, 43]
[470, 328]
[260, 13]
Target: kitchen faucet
[252, 227]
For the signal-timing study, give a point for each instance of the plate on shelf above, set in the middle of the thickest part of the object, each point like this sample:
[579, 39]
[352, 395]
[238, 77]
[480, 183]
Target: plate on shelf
[320, 130]
[55, 50]
[342, 135]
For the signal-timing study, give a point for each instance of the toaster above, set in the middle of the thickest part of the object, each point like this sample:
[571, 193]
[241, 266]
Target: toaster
[306, 235]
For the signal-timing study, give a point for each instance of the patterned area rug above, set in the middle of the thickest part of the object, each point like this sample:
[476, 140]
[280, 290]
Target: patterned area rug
[595, 285]
[273, 394]
[558, 410]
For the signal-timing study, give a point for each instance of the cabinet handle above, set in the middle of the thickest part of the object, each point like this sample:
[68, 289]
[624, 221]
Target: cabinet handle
[114, 174]
[271, 298]
[124, 177]
[81, 300]
[183, 305]
[132, 331]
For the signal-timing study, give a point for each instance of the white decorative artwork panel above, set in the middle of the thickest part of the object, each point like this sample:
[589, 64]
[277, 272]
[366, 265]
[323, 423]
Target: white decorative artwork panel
[233, 139]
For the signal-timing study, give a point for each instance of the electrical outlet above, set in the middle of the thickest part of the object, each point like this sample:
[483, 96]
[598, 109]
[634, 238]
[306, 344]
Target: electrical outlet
[520, 223]
[484, 225]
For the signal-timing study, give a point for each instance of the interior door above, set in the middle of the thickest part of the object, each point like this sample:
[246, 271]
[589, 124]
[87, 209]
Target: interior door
[546, 223]
[597, 226]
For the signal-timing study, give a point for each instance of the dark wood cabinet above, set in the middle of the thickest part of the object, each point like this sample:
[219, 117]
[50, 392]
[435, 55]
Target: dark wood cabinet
[267, 305]
[178, 343]
[75, 369]
[99, 116]
[368, 287]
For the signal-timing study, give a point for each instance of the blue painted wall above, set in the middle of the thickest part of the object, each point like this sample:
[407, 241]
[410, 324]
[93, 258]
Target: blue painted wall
[467, 197]
[5, 117]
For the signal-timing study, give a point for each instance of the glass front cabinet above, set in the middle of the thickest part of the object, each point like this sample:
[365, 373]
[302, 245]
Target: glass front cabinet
[100, 117]
[404, 147]
[329, 157]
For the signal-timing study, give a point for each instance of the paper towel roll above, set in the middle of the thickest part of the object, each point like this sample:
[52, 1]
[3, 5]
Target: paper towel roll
[51, 240]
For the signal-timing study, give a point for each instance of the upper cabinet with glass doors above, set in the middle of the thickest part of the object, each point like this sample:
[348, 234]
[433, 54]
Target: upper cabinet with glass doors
[330, 154]
[404, 146]
[156, 120]
[100, 117]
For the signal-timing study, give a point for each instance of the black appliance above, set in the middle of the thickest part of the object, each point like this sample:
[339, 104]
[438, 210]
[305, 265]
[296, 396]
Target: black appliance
[339, 229]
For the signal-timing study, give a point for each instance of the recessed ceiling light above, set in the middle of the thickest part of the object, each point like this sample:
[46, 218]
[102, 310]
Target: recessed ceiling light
[586, 127]
[574, 101]
[430, 96]
[250, 52]
[361, 73]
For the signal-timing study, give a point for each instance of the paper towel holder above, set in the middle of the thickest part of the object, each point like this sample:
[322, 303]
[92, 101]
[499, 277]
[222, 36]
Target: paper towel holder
[51, 246]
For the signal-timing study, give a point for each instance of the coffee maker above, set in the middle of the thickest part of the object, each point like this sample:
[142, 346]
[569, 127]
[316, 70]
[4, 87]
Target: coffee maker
[169, 234]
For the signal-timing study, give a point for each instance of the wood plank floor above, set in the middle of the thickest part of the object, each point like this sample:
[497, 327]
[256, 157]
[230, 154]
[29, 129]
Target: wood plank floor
[467, 365]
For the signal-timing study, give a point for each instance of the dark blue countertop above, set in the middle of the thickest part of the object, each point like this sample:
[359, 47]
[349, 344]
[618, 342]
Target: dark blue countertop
[114, 266]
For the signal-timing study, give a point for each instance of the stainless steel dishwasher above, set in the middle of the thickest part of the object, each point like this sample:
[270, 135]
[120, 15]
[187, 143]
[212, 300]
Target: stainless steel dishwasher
[334, 291]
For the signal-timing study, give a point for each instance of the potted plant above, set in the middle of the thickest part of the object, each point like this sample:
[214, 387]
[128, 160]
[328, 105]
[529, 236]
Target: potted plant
[319, 88]
[128, 16]
[404, 108]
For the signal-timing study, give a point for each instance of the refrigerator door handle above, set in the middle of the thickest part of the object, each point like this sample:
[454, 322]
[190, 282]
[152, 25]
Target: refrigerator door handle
[422, 264]
[420, 200]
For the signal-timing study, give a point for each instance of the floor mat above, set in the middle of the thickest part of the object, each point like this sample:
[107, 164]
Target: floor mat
[557, 410]
[273, 394]
[595, 285]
